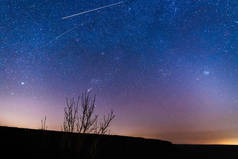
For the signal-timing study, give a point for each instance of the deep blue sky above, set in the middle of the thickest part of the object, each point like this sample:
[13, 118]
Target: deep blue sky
[169, 68]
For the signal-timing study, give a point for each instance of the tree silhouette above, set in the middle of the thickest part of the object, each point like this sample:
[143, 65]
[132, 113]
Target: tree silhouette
[70, 114]
[86, 120]
[104, 126]
[43, 124]
[79, 116]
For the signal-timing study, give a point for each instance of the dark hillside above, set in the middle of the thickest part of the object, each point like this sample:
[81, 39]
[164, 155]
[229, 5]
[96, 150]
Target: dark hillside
[207, 151]
[28, 143]
[38, 143]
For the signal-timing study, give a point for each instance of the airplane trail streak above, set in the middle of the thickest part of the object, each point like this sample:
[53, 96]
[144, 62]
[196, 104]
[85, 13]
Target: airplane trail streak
[92, 10]
[61, 35]
[66, 32]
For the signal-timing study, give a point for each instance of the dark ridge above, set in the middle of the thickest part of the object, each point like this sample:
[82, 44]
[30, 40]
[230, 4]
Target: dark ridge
[207, 151]
[29, 143]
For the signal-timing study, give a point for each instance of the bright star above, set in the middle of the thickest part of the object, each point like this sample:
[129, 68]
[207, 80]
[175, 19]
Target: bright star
[89, 90]
[22, 83]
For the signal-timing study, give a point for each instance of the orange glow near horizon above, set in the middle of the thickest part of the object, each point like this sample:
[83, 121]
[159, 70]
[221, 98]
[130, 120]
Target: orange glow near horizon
[173, 139]
[167, 68]
[228, 142]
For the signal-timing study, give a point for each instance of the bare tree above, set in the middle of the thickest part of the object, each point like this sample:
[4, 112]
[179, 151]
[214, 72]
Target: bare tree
[103, 127]
[70, 114]
[87, 120]
[79, 116]
[43, 124]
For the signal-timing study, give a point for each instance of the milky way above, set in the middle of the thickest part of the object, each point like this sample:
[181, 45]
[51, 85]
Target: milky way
[168, 68]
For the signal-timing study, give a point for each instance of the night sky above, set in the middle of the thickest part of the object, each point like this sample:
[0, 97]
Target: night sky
[168, 68]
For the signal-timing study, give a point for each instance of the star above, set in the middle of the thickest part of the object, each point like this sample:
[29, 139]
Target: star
[156, 56]
[89, 89]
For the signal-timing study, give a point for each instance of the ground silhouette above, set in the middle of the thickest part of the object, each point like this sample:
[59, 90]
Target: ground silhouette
[28, 143]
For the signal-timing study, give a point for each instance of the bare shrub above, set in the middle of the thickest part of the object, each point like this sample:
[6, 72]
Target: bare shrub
[43, 124]
[103, 127]
[70, 114]
[86, 120]
[79, 116]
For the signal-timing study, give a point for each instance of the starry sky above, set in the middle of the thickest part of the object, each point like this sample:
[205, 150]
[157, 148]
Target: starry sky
[168, 68]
